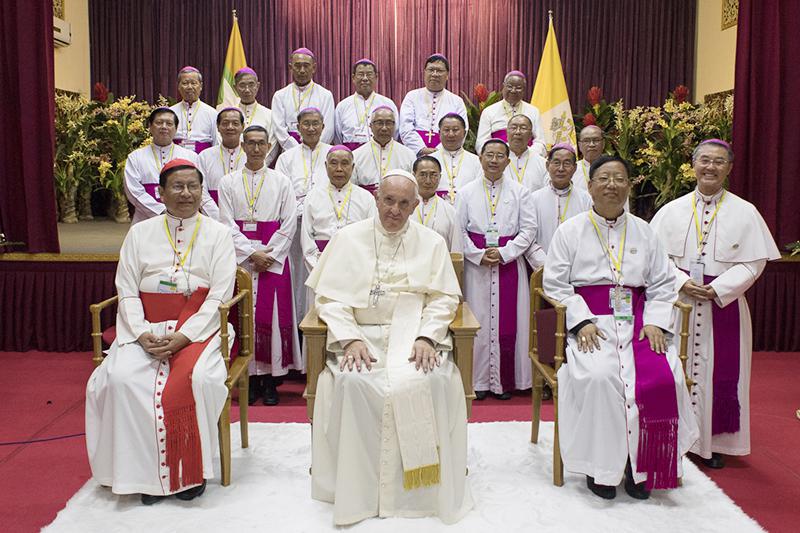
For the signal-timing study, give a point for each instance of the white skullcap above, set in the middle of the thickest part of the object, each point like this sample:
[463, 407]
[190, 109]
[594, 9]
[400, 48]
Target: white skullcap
[400, 172]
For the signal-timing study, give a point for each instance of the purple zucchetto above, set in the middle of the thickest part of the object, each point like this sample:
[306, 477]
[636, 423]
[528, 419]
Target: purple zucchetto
[515, 73]
[719, 142]
[365, 61]
[245, 70]
[339, 147]
[188, 68]
[304, 51]
[561, 146]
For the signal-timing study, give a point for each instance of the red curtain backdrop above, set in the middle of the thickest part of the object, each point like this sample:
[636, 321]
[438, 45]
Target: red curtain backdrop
[27, 196]
[766, 107]
[635, 50]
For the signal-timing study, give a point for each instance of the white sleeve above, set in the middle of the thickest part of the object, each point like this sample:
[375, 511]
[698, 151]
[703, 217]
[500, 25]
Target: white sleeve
[556, 280]
[408, 134]
[337, 125]
[227, 215]
[329, 118]
[735, 281]
[525, 233]
[131, 323]
[484, 131]
[279, 123]
[310, 250]
[660, 288]
[472, 253]
[209, 206]
[135, 191]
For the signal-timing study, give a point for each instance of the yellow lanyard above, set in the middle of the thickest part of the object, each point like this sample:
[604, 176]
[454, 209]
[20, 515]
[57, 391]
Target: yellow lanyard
[377, 157]
[250, 120]
[362, 117]
[562, 216]
[227, 169]
[157, 160]
[492, 205]
[521, 175]
[186, 119]
[615, 261]
[250, 195]
[340, 211]
[429, 216]
[702, 235]
[298, 100]
[585, 175]
[182, 257]
[306, 173]
[451, 176]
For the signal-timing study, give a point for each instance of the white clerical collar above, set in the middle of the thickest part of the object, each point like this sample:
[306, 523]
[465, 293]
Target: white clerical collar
[384, 147]
[304, 87]
[248, 171]
[452, 155]
[561, 192]
[496, 183]
[523, 154]
[164, 149]
[174, 221]
[187, 104]
[248, 107]
[358, 95]
[391, 235]
[434, 94]
[432, 197]
[619, 221]
[307, 147]
[708, 199]
[232, 150]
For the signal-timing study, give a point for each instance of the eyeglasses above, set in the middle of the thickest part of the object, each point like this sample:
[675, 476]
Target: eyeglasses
[253, 144]
[383, 123]
[591, 140]
[561, 164]
[513, 89]
[494, 156]
[433, 70]
[311, 123]
[164, 122]
[364, 75]
[429, 175]
[619, 180]
[178, 188]
[717, 162]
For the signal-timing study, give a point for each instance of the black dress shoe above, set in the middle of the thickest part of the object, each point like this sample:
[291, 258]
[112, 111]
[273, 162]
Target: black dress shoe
[270, 392]
[505, 396]
[635, 490]
[717, 461]
[547, 393]
[606, 492]
[150, 499]
[255, 390]
[481, 394]
[191, 494]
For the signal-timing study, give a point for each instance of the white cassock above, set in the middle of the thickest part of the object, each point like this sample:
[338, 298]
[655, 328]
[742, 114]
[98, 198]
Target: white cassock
[552, 207]
[437, 214]
[289, 101]
[141, 177]
[598, 409]
[214, 163]
[371, 161]
[274, 202]
[379, 437]
[256, 114]
[498, 295]
[352, 118]
[494, 124]
[197, 125]
[125, 419]
[306, 170]
[458, 169]
[420, 113]
[580, 178]
[738, 246]
[528, 169]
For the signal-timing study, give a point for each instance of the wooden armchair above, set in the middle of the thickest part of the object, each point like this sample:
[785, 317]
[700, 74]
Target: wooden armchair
[463, 329]
[237, 370]
[548, 342]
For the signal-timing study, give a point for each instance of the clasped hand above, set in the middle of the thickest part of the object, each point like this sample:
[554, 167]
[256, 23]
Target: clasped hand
[491, 257]
[589, 338]
[163, 348]
[698, 292]
[261, 260]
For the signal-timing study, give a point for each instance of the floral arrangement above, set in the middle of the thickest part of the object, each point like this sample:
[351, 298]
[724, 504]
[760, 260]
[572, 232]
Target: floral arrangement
[481, 99]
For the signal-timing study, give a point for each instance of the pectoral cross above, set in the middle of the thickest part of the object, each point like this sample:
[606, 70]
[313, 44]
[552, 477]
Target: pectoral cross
[430, 135]
[376, 293]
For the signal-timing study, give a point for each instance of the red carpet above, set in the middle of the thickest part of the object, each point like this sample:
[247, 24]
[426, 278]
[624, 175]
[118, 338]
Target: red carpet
[43, 398]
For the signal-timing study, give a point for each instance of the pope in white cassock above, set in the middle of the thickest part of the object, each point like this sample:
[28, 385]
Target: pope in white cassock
[459, 167]
[390, 428]
[302, 93]
[382, 152]
[305, 166]
[353, 114]
[432, 211]
[246, 85]
[197, 119]
[623, 403]
[719, 245]
[222, 159]
[497, 228]
[422, 108]
[525, 166]
[556, 202]
[495, 118]
[258, 205]
[143, 165]
[152, 406]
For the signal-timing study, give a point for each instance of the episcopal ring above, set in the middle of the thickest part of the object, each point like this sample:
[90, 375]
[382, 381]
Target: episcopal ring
[583, 339]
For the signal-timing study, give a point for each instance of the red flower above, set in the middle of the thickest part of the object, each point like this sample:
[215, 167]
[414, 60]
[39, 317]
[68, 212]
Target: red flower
[480, 94]
[681, 93]
[100, 92]
[589, 120]
[594, 95]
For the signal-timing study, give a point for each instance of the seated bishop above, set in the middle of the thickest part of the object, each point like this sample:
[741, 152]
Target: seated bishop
[382, 152]
[222, 159]
[152, 406]
[432, 211]
[623, 408]
[390, 424]
[197, 130]
[258, 205]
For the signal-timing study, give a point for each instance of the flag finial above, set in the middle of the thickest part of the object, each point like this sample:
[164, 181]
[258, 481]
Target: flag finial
[550, 14]
[233, 12]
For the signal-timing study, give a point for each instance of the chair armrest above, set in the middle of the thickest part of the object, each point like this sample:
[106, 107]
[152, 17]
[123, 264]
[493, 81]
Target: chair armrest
[97, 328]
[315, 331]
[558, 306]
[464, 327]
[683, 350]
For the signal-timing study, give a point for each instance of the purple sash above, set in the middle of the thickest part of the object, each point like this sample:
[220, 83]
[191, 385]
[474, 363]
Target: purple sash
[199, 146]
[214, 193]
[655, 395]
[443, 194]
[372, 188]
[507, 317]
[152, 190]
[353, 145]
[433, 143]
[503, 136]
[296, 136]
[270, 286]
[321, 244]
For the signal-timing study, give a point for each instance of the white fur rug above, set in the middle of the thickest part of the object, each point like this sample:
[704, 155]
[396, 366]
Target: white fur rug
[511, 481]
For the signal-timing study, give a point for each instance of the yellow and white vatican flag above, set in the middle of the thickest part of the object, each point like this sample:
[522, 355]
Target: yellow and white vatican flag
[234, 60]
[550, 94]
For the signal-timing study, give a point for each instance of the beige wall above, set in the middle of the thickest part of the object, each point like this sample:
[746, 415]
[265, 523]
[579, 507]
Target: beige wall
[72, 62]
[715, 51]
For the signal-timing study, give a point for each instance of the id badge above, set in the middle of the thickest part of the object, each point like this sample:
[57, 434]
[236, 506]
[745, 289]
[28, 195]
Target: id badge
[189, 145]
[492, 236]
[250, 226]
[620, 300]
[158, 196]
[361, 138]
[167, 286]
[696, 271]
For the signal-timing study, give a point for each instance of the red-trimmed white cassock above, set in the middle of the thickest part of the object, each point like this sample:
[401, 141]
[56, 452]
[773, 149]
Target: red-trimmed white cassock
[499, 295]
[494, 121]
[131, 398]
[552, 207]
[420, 113]
[528, 169]
[197, 125]
[600, 399]
[738, 246]
[352, 117]
[437, 214]
[142, 168]
[214, 163]
[289, 101]
[271, 225]
[458, 169]
[371, 161]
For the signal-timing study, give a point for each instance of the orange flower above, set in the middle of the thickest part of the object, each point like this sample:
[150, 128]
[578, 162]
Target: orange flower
[681, 93]
[594, 95]
[480, 94]
[589, 120]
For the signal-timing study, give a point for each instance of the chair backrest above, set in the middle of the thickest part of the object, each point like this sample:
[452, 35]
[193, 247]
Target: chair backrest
[547, 331]
[458, 265]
